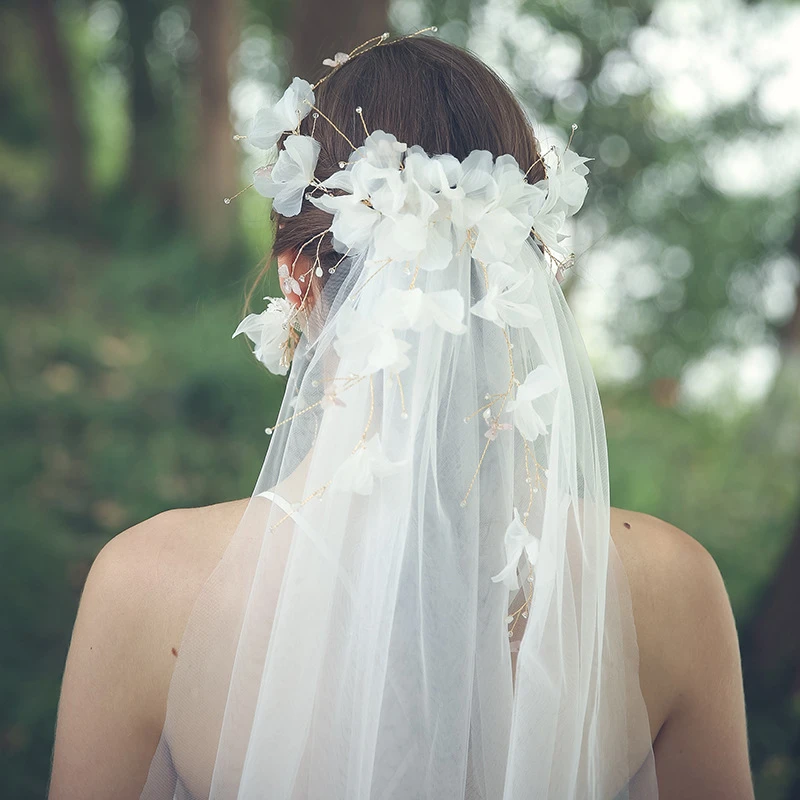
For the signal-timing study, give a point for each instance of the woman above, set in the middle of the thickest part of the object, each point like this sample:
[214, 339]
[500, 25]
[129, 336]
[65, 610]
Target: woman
[427, 594]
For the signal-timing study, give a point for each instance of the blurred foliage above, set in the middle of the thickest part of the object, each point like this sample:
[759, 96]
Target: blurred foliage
[122, 394]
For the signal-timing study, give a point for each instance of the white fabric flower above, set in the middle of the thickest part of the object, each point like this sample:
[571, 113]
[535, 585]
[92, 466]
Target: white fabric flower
[289, 178]
[368, 346]
[288, 282]
[269, 331]
[404, 309]
[517, 540]
[357, 473]
[548, 227]
[509, 298]
[336, 61]
[380, 150]
[272, 122]
[400, 237]
[534, 403]
[353, 220]
[331, 398]
[566, 184]
[494, 425]
[507, 217]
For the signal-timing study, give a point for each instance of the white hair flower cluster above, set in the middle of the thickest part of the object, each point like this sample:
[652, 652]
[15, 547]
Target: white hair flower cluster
[271, 122]
[398, 202]
[270, 332]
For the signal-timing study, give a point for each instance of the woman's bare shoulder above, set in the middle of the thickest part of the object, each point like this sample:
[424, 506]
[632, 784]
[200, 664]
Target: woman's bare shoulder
[690, 664]
[134, 606]
[165, 560]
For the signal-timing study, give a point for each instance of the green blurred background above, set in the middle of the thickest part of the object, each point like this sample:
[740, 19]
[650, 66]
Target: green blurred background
[123, 274]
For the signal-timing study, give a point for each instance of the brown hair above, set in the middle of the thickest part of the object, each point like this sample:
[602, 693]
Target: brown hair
[424, 91]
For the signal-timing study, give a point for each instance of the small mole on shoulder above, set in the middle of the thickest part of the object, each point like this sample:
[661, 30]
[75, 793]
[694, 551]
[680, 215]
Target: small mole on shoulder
[174, 652]
[627, 525]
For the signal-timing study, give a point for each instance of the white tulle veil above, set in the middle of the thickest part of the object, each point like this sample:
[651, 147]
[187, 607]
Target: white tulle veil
[434, 499]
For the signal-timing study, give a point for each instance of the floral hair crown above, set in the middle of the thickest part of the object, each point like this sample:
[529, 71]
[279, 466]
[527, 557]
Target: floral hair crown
[396, 201]
[394, 204]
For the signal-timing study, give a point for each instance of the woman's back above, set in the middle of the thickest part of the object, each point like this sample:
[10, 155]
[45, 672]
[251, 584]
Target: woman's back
[143, 585]
[347, 633]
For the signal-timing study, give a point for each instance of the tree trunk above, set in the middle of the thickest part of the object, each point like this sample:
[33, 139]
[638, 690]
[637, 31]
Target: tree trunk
[151, 163]
[319, 28]
[69, 183]
[775, 638]
[774, 631]
[214, 165]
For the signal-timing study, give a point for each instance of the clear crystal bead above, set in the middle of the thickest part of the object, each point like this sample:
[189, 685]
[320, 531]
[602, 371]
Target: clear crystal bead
[268, 431]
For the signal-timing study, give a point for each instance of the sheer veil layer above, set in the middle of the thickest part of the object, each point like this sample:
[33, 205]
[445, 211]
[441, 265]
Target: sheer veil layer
[434, 498]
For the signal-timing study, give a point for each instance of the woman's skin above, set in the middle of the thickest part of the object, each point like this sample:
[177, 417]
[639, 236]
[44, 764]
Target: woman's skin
[142, 586]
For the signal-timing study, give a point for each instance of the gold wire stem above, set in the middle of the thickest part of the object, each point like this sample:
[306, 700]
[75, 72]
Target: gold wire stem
[525, 607]
[363, 438]
[483, 407]
[528, 477]
[503, 400]
[314, 494]
[538, 160]
[336, 265]
[307, 243]
[359, 50]
[375, 274]
[574, 128]
[416, 273]
[472, 239]
[229, 200]
[360, 112]
[332, 123]
[431, 28]
[475, 474]
[354, 381]
[403, 409]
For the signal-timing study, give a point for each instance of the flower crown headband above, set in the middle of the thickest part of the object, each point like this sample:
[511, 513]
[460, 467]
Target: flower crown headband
[383, 173]
[395, 204]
